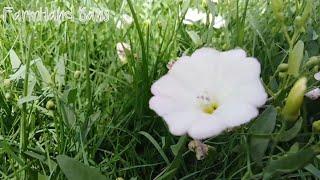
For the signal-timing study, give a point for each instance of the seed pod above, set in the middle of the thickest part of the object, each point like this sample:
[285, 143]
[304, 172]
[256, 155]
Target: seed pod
[316, 126]
[77, 74]
[295, 59]
[50, 105]
[291, 110]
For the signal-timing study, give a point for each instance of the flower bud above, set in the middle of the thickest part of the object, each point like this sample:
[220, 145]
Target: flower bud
[306, 12]
[277, 6]
[313, 61]
[50, 105]
[77, 74]
[283, 75]
[316, 126]
[7, 83]
[298, 22]
[119, 178]
[295, 59]
[294, 101]
[283, 67]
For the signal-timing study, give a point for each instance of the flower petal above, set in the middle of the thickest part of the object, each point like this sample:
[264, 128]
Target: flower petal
[251, 92]
[234, 114]
[180, 122]
[164, 105]
[168, 86]
[205, 128]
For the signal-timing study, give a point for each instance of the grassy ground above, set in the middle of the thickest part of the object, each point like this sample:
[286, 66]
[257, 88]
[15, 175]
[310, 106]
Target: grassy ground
[100, 114]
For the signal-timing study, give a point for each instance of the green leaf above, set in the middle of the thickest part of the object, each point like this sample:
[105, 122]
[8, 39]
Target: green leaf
[74, 170]
[313, 170]
[14, 59]
[44, 72]
[289, 162]
[60, 71]
[195, 38]
[291, 133]
[27, 99]
[68, 115]
[156, 145]
[178, 150]
[263, 125]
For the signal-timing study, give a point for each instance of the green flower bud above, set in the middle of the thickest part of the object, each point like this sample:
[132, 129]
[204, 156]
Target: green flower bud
[119, 178]
[316, 126]
[306, 12]
[295, 59]
[313, 61]
[77, 74]
[294, 101]
[298, 21]
[7, 83]
[50, 105]
[277, 6]
[282, 74]
[283, 67]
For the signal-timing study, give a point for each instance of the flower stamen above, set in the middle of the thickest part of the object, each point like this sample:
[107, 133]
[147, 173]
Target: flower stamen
[207, 105]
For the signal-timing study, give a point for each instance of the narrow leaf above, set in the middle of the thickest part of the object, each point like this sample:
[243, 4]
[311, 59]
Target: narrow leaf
[74, 170]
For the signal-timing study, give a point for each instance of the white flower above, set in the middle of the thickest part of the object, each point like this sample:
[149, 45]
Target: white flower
[194, 15]
[122, 48]
[125, 19]
[313, 94]
[208, 92]
[219, 22]
[317, 76]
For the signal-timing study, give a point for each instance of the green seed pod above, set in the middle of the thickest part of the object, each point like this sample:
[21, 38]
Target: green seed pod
[291, 110]
[295, 59]
[316, 126]
[50, 105]
[313, 61]
[283, 67]
[77, 74]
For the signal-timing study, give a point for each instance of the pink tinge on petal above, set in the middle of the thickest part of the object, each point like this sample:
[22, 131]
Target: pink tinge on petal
[313, 94]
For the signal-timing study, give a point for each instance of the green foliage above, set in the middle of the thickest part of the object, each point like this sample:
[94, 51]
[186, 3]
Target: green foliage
[101, 115]
[74, 170]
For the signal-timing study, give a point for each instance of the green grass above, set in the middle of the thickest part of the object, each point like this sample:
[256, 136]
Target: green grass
[102, 118]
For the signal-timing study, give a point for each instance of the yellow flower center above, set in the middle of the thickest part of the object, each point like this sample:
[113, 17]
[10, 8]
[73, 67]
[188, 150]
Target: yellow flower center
[210, 108]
